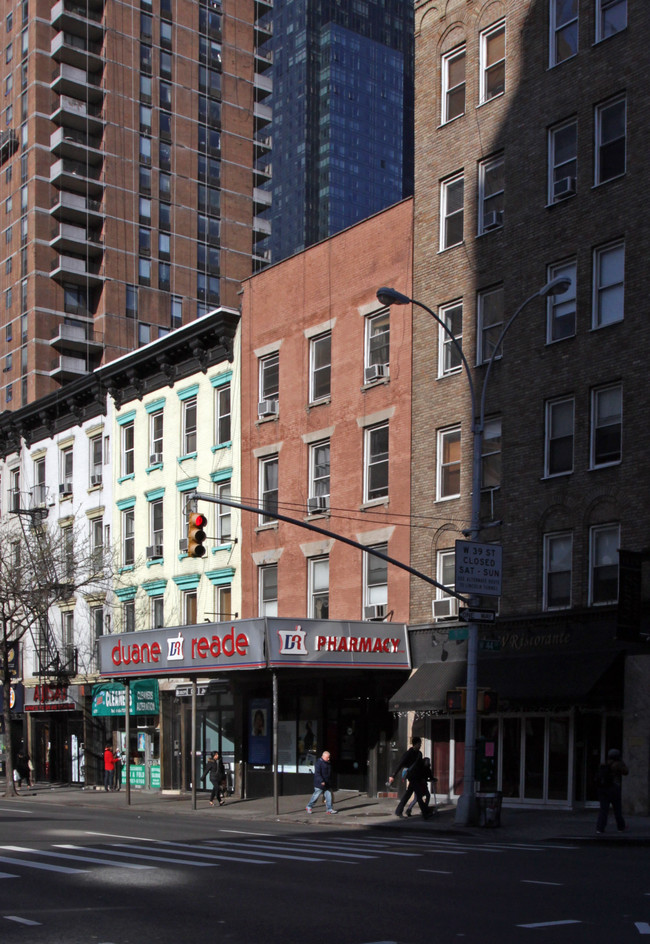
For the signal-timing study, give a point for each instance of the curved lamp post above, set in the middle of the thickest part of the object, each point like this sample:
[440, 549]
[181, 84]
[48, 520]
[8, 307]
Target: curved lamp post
[466, 810]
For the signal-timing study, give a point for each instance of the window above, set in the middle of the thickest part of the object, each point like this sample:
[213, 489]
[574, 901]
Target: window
[96, 460]
[67, 639]
[40, 490]
[376, 464]
[562, 160]
[491, 454]
[128, 537]
[445, 572]
[561, 309]
[609, 274]
[448, 470]
[128, 449]
[376, 578]
[491, 194]
[128, 616]
[15, 489]
[610, 140]
[564, 30]
[144, 271]
[319, 588]
[606, 425]
[190, 614]
[603, 557]
[451, 211]
[493, 61]
[490, 322]
[449, 359]
[558, 553]
[131, 301]
[97, 630]
[157, 612]
[377, 345]
[559, 437]
[224, 515]
[156, 426]
[269, 377]
[66, 471]
[189, 426]
[611, 17]
[97, 542]
[268, 486]
[223, 432]
[176, 311]
[268, 589]
[156, 526]
[319, 470]
[320, 367]
[453, 84]
[223, 602]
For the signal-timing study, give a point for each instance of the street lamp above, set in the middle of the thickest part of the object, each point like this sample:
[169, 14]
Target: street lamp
[466, 810]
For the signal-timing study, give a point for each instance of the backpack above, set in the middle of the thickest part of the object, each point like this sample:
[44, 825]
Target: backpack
[604, 777]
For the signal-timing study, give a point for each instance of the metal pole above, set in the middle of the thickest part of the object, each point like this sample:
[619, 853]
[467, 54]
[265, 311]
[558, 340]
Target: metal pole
[193, 743]
[276, 798]
[127, 737]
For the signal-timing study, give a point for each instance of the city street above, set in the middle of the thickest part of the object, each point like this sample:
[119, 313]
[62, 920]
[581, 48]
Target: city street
[100, 873]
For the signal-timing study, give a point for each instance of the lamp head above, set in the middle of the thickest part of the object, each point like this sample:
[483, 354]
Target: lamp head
[389, 296]
[557, 286]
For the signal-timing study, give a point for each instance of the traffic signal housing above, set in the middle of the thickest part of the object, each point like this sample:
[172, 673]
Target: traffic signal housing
[196, 534]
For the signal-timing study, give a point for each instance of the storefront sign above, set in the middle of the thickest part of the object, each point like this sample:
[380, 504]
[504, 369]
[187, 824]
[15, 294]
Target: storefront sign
[12, 660]
[181, 650]
[16, 698]
[337, 643]
[110, 699]
[52, 698]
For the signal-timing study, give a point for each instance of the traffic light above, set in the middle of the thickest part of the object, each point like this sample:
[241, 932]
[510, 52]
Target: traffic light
[196, 535]
[455, 701]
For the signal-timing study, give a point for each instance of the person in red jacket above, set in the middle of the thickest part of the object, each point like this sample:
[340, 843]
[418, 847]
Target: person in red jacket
[109, 767]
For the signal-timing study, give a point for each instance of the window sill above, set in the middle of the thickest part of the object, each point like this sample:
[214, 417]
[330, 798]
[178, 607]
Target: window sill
[225, 445]
[154, 561]
[602, 183]
[324, 401]
[223, 547]
[605, 465]
[270, 526]
[126, 478]
[379, 382]
[152, 468]
[127, 569]
[455, 246]
[267, 419]
[445, 498]
[190, 455]
[556, 475]
[373, 503]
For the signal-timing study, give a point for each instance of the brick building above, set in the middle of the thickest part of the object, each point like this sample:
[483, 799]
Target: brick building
[530, 132]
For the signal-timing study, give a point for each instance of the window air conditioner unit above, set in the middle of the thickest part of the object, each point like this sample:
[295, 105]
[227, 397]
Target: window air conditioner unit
[492, 220]
[96, 479]
[267, 408]
[154, 550]
[565, 187]
[317, 504]
[375, 612]
[65, 488]
[375, 372]
[155, 458]
[445, 608]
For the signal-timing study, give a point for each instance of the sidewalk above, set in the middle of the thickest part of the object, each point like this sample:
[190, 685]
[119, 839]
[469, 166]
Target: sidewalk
[519, 824]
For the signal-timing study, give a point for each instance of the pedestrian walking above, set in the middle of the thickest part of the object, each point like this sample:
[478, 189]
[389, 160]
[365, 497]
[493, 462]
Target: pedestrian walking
[609, 781]
[427, 778]
[217, 773]
[411, 768]
[23, 766]
[117, 775]
[109, 767]
[322, 783]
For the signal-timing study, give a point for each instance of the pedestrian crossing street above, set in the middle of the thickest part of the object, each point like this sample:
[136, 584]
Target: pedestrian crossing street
[260, 849]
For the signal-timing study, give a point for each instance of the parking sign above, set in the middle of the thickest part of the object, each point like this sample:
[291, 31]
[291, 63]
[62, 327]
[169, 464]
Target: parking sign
[478, 568]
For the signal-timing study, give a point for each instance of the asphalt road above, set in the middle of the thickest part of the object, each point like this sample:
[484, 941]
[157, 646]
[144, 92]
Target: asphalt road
[83, 876]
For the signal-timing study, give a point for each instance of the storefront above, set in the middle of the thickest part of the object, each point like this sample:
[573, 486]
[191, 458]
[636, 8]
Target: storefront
[57, 737]
[109, 701]
[270, 695]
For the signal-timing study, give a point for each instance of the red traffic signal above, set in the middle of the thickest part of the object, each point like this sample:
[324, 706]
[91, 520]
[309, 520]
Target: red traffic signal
[196, 534]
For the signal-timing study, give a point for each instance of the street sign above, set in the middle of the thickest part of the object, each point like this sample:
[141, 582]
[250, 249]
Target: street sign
[477, 616]
[478, 568]
[458, 634]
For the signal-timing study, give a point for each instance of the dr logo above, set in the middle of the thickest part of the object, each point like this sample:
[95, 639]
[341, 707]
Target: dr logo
[292, 642]
[175, 649]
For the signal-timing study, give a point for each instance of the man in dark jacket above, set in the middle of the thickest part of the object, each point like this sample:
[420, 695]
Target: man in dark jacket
[217, 773]
[322, 783]
[413, 763]
[609, 783]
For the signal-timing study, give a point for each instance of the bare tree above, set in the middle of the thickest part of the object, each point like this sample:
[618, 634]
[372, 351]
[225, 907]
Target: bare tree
[42, 565]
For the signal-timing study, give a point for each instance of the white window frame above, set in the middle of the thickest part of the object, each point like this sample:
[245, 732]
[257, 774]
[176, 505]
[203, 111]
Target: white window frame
[445, 567]
[320, 367]
[556, 30]
[449, 359]
[190, 426]
[269, 376]
[317, 590]
[492, 330]
[607, 139]
[223, 415]
[561, 308]
[223, 595]
[224, 513]
[156, 433]
[561, 166]
[605, 289]
[603, 7]
[128, 449]
[156, 522]
[266, 463]
[377, 339]
[128, 616]
[96, 535]
[446, 437]
[602, 422]
[553, 565]
[96, 457]
[15, 489]
[157, 611]
[484, 198]
[128, 537]
[610, 533]
[67, 467]
[190, 607]
[486, 67]
[267, 582]
[375, 592]
[319, 481]
[447, 216]
[374, 461]
[491, 446]
[552, 435]
[449, 90]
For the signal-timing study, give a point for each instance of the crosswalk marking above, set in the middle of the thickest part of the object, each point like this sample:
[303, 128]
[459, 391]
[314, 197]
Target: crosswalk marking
[206, 855]
[66, 870]
[66, 855]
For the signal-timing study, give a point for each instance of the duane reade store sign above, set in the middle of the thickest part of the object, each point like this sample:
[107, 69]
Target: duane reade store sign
[254, 644]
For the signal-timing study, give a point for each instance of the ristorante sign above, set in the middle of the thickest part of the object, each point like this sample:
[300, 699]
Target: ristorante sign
[254, 644]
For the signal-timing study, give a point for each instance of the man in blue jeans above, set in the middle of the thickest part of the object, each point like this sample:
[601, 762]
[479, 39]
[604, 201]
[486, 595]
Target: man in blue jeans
[322, 780]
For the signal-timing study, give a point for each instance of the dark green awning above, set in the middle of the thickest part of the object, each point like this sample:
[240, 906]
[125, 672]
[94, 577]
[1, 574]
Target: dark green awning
[109, 698]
